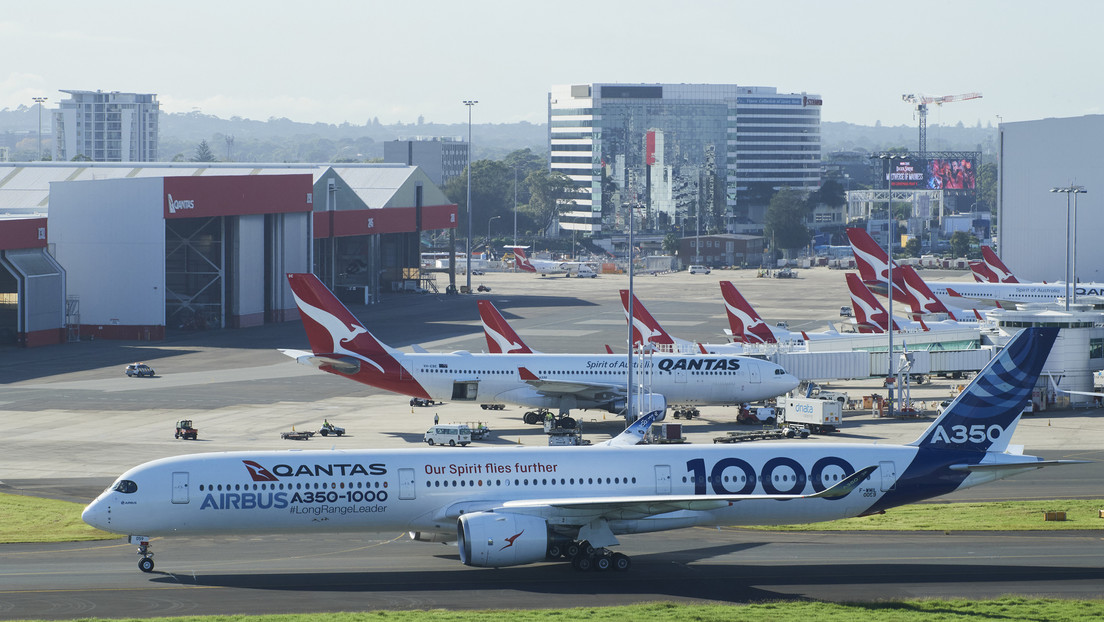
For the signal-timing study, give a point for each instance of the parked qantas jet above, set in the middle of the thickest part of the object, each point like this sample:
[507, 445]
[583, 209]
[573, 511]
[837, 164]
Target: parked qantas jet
[871, 316]
[544, 267]
[341, 345]
[745, 324]
[873, 264]
[1000, 272]
[646, 329]
[521, 505]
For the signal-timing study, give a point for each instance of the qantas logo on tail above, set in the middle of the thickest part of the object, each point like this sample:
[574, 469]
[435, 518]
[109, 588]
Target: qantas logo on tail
[872, 260]
[522, 261]
[645, 327]
[340, 333]
[867, 309]
[500, 337]
[996, 266]
[742, 318]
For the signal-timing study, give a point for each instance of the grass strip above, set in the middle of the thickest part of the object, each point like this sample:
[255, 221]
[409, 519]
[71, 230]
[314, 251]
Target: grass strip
[33, 519]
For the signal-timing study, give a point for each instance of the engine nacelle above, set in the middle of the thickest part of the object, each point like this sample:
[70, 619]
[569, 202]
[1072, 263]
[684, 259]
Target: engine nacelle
[489, 539]
[642, 404]
[431, 536]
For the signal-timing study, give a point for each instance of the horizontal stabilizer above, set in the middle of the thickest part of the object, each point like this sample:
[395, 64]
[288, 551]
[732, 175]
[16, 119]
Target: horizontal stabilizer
[338, 362]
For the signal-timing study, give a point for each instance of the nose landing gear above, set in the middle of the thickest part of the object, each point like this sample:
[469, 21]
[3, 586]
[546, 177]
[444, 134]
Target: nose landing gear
[146, 563]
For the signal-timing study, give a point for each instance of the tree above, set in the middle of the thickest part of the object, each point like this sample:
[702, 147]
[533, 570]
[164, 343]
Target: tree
[671, 243]
[961, 242]
[987, 187]
[912, 247]
[549, 197]
[203, 153]
[785, 220]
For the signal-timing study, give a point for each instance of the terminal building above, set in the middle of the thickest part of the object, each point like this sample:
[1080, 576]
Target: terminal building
[125, 251]
[672, 150]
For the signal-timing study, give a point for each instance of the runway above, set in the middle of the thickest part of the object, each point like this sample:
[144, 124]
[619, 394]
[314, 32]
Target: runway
[338, 572]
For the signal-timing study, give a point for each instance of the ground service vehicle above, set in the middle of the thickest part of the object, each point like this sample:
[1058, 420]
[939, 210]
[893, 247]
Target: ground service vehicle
[329, 428]
[451, 434]
[185, 430]
[819, 415]
[695, 269]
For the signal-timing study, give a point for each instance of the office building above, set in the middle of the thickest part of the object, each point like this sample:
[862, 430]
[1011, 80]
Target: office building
[680, 154]
[440, 158]
[106, 127]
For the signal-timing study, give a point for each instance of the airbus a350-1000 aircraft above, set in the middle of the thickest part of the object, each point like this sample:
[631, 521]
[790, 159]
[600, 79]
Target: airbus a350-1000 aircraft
[521, 505]
[342, 346]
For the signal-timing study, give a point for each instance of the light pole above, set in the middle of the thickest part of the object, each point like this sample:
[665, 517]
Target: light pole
[469, 103]
[1068, 190]
[889, 158]
[489, 221]
[515, 206]
[39, 101]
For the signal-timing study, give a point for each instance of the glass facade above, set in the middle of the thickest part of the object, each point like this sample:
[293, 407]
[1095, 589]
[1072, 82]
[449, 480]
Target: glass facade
[677, 153]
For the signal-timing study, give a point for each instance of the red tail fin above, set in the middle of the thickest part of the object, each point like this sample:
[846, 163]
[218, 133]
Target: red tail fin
[872, 260]
[868, 311]
[926, 300]
[522, 262]
[646, 329]
[501, 338]
[1001, 271]
[745, 323]
[982, 273]
[333, 331]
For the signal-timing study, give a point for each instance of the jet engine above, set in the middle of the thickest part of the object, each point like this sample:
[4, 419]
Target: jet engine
[493, 540]
[642, 404]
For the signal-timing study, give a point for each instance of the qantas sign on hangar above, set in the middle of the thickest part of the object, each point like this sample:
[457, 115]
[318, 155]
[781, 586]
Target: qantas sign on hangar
[190, 252]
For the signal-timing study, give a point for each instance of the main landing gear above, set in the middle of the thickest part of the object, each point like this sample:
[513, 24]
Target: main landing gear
[146, 563]
[585, 557]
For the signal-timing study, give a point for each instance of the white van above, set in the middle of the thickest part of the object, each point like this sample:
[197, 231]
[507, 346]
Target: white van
[451, 434]
[699, 269]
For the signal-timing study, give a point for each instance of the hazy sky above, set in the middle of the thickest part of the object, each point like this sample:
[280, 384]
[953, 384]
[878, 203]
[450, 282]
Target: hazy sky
[334, 61]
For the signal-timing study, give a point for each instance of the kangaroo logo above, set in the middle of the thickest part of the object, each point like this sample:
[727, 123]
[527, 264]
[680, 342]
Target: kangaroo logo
[504, 344]
[511, 539]
[340, 333]
[752, 327]
[258, 472]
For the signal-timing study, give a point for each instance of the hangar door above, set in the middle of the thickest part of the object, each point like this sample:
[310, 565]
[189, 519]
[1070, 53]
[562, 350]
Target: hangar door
[195, 265]
[32, 293]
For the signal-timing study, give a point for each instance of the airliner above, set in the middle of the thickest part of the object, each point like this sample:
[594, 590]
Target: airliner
[871, 316]
[995, 269]
[746, 325]
[929, 303]
[545, 267]
[341, 345]
[523, 505]
[873, 263]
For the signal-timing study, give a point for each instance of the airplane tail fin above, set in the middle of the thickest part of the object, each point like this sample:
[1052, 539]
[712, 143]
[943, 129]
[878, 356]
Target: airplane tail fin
[984, 415]
[868, 311]
[927, 301]
[646, 329]
[1001, 271]
[522, 262]
[635, 433]
[745, 323]
[871, 259]
[501, 337]
[982, 273]
[341, 344]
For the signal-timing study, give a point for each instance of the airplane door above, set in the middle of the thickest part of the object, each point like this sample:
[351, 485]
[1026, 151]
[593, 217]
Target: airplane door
[663, 479]
[406, 483]
[465, 391]
[680, 375]
[179, 487]
[889, 475]
[753, 374]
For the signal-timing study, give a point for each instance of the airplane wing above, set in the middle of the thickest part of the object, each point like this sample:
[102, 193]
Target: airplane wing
[341, 363]
[577, 511]
[567, 387]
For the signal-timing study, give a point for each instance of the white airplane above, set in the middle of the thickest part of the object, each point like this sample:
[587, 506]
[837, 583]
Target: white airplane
[647, 330]
[341, 345]
[871, 316]
[545, 267]
[522, 505]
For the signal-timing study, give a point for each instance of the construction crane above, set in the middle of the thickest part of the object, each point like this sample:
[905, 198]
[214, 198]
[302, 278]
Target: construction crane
[921, 102]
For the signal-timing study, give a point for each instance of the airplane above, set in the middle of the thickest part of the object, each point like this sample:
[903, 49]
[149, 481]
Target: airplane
[647, 330]
[873, 265]
[501, 337]
[871, 316]
[341, 345]
[544, 267]
[523, 505]
[929, 303]
[994, 265]
[746, 325]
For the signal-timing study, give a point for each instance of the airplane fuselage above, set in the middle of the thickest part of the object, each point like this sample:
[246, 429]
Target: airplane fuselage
[495, 378]
[426, 489]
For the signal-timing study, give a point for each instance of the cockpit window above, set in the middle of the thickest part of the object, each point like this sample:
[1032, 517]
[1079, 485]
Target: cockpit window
[125, 486]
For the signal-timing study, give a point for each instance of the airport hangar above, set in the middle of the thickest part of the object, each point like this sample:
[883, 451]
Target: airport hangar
[138, 248]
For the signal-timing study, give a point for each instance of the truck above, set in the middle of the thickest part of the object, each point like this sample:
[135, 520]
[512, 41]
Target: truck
[185, 430]
[819, 415]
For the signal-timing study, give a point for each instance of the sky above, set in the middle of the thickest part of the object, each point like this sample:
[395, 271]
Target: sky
[336, 61]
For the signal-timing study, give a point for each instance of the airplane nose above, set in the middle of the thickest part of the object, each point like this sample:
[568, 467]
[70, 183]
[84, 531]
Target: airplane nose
[95, 515]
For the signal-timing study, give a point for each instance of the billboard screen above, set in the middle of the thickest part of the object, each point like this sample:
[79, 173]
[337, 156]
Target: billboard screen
[951, 174]
[907, 173]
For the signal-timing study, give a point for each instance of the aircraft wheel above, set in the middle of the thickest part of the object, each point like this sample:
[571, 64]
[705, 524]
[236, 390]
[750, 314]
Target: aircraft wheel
[603, 563]
[572, 550]
[145, 564]
[621, 562]
[554, 551]
[582, 562]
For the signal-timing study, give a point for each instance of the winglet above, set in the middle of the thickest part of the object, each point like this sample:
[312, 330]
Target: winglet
[526, 375]
[609, 350]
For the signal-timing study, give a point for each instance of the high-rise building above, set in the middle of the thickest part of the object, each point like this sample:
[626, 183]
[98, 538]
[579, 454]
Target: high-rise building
[680, 153]
[106, 127]
[440, 158]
